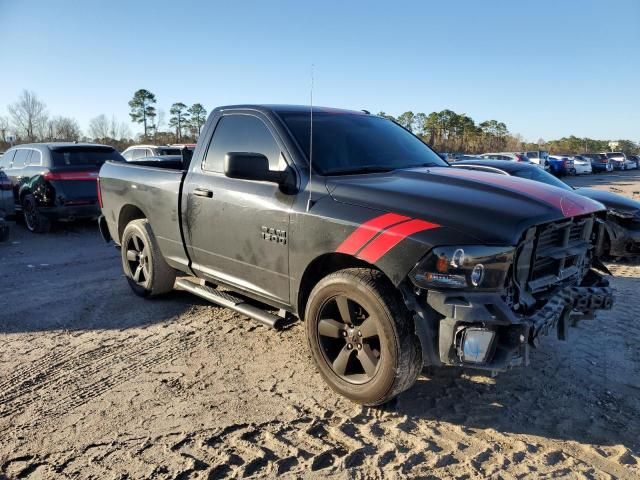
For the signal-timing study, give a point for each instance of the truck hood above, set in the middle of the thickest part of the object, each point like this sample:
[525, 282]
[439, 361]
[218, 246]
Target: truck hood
[610, 200]
[494, 209]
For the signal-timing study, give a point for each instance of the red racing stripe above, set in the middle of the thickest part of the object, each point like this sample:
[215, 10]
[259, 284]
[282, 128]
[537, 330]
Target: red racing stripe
[391, 237]
[367, 231]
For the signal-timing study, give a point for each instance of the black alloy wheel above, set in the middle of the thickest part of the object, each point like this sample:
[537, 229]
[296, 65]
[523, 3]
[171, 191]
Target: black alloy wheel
[350, 339]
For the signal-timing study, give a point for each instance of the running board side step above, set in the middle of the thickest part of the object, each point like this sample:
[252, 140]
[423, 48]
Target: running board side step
[229, 300]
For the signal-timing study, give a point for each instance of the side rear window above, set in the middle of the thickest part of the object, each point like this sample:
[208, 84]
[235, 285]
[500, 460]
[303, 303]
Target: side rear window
[241, 133]
[34, 159]
[20, 159]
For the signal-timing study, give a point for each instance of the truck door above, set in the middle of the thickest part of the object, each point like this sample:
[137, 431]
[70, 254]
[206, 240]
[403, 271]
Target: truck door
[237, 230]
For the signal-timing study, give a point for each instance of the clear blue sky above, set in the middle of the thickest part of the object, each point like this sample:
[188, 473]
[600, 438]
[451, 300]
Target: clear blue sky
[545, 68]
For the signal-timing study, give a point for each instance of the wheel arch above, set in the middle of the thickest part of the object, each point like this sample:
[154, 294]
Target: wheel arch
[127, 214]
[23, 191]
[322, 266]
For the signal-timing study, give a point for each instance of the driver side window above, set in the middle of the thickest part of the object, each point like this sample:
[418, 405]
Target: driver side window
[242, 133]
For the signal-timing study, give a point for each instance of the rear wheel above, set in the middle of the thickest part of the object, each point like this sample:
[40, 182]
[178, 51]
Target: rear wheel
[33, 219]
[362, 337]
[144, 266]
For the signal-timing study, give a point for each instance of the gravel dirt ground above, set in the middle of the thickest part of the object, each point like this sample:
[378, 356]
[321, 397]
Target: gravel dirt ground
[98, 383]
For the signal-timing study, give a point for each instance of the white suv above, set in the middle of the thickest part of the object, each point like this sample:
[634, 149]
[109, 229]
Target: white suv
[137, 152]
[620, 161]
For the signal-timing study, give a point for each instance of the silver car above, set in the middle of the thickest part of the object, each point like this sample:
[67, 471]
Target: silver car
[510, 156]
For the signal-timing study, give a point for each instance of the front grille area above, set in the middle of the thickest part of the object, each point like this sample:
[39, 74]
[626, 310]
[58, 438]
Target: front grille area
[559, 253]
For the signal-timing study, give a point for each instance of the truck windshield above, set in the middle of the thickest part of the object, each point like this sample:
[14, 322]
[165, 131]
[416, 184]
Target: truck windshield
[84, 156]
[358, 143]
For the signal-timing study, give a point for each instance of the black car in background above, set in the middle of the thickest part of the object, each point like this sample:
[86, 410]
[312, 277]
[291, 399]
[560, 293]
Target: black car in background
[55, 181]
[623, 214]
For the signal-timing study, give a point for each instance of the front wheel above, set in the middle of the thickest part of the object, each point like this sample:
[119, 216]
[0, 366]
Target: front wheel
[362, 337]
[144, 266]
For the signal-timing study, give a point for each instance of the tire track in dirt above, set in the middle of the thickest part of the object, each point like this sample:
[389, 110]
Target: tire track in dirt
[111, 364]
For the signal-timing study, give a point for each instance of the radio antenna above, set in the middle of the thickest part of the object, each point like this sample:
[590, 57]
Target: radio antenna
[310, 140]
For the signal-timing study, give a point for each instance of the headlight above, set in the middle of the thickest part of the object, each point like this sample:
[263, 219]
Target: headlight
[476, 266]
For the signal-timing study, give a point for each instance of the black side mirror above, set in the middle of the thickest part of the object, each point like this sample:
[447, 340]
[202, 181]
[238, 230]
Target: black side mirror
[250, 166]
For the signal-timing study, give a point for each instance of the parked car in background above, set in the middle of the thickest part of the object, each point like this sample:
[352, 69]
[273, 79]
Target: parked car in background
[55, 181]
[7, 207]
[599, 162]
[136, 152]
[561, 165]
[541, 157]
[635, 159]
[509, 156]
[623, 214]
[188, 146]
[619, 160]
[582, 166]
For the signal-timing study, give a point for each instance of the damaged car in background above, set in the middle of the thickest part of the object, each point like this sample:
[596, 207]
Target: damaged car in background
[392, 258]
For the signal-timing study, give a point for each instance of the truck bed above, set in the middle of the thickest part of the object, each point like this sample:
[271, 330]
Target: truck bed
[127, 186]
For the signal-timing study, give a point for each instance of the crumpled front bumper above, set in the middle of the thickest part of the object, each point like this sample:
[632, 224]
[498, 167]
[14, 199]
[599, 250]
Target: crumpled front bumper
[515, 334]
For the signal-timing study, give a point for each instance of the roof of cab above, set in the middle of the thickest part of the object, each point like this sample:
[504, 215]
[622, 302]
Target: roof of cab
[65, 145]
[289, 109]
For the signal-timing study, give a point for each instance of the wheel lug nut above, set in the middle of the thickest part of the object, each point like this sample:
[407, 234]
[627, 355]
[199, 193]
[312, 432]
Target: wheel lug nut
[349, 346]
[359, 333]
[344, 334]
[359, 346]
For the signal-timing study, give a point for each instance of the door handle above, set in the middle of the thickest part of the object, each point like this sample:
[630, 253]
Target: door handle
[203, 192]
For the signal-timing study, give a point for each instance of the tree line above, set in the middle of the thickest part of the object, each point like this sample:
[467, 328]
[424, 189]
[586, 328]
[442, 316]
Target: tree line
[186, 122]
[28, 121]
[446, 131]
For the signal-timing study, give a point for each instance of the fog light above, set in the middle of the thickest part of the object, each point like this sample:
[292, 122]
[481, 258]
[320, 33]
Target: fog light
[476, 344]
[477, 274]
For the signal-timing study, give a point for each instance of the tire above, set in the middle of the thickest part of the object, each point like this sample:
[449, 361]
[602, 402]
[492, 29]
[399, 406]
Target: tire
[33, 219]
[144, 266]
[393, 354]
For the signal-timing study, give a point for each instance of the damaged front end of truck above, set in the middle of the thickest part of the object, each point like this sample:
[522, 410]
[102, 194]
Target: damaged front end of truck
[485, 307]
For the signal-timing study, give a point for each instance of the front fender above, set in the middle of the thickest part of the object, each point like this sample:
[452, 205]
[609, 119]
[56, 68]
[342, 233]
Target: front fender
[392, 243]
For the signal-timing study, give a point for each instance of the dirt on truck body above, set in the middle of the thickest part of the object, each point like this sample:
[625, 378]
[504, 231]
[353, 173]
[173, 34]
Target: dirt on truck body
[393, 259]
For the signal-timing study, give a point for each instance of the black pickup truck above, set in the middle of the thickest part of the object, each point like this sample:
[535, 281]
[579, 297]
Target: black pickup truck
[393, 259]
